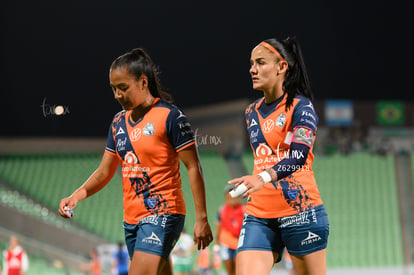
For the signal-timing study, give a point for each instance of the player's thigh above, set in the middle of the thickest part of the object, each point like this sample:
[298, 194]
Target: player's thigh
[311, 264]
[258, 262]
[260, 234]
[260, 246]
[144, 263]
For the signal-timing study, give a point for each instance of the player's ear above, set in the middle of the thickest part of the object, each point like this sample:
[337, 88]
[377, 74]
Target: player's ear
[282, 67]
[144, 81]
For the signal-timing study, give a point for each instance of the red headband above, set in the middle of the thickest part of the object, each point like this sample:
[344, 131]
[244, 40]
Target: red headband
[272, 49]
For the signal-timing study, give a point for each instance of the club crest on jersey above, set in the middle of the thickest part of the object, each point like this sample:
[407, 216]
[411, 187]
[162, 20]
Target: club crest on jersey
[151, 202]
[148, 129]
[130, 158]
[293, 194]
[135, 134]
[263, 150]
[268, 125]
[280, 121]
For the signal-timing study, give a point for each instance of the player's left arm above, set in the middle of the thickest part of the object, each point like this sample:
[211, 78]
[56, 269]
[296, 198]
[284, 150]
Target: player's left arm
[202, 231]
[181, 137]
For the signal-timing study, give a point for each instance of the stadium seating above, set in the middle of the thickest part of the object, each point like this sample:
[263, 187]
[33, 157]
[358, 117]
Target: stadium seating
[48, 178]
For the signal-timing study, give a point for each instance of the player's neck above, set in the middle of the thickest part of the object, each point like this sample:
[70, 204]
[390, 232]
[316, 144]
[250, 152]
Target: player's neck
[272, 95]
[139, 111]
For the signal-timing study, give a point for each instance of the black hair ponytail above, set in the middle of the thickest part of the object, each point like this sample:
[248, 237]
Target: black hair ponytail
[138, 63]
[297, 80]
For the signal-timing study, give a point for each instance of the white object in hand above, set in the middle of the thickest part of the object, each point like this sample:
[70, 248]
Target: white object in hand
[68, 211]
[239, 190]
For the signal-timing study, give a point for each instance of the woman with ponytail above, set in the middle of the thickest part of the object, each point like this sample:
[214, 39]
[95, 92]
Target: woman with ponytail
[284, 207]
[148, 138]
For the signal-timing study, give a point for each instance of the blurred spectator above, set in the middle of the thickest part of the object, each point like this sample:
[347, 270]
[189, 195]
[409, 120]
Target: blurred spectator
[357, 144]
[182, 254]
[204, 263]
[94, 265]
[121, 260]
[228, 224]
[15, 260]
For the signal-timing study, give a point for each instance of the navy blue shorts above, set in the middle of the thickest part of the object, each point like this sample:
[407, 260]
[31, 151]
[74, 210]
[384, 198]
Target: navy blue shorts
[154, 234]
[301, 234]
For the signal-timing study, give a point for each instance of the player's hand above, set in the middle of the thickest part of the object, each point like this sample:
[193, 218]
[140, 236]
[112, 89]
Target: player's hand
[67, 203]
[202, 234]
[252, 183]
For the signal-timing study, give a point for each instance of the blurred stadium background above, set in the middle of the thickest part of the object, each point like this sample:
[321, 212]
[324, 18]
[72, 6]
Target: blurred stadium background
[58, 54]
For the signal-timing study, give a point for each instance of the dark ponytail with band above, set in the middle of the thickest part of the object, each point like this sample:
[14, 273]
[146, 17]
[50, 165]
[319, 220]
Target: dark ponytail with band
[138, 63]
[297, 80]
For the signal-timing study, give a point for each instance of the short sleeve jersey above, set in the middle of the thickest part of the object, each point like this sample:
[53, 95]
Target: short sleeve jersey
[270, 135]
[148, 152]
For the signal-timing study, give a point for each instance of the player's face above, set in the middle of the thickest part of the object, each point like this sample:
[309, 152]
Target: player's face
[129, 91]
[263, 69]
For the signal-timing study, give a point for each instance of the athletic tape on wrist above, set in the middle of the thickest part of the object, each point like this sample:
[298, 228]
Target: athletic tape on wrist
[265, 176]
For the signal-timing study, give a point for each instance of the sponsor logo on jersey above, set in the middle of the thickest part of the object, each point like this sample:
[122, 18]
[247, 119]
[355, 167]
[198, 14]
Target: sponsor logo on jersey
[263, 150]
[308, 114]
[120, 144]
[120, 131]
[181, 114]
[130, 158]
[253, 123]
[280, 121]
[254, 135]
[310, 105]
[135, 134]
[148, 129]
[153, 239]
[311, 238]
[268, 126]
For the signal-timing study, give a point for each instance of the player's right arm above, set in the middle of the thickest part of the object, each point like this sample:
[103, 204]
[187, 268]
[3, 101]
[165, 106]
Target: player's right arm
[93, 184]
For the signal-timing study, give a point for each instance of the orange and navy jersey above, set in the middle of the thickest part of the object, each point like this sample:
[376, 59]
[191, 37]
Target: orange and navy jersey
[231, 221]
[148, 152]
[272, 129]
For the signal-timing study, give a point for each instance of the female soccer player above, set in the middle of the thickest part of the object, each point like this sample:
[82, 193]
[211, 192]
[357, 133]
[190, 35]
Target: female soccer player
[284, 207]
[148, 138]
